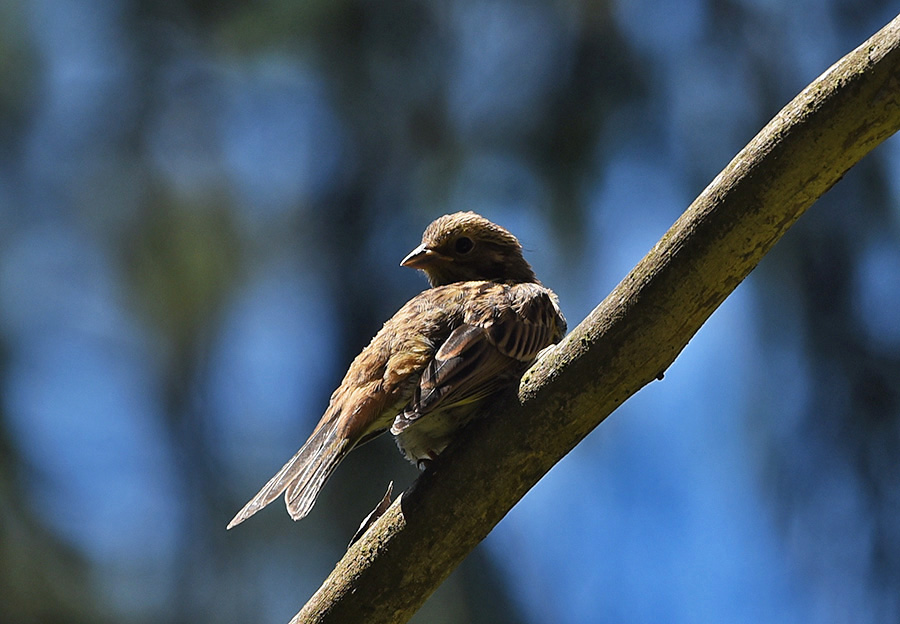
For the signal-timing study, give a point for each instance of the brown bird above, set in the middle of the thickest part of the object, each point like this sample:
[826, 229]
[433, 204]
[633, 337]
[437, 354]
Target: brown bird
[477, 330]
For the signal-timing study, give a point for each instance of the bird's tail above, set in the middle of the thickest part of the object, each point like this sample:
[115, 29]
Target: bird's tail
[303, 476]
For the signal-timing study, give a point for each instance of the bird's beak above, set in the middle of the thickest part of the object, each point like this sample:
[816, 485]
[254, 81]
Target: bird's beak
[421, 257]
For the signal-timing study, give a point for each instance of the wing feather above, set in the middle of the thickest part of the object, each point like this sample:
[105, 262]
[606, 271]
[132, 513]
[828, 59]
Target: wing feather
[487, 351]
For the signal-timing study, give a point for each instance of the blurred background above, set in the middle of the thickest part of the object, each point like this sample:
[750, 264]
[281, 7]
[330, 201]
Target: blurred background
[202, 210]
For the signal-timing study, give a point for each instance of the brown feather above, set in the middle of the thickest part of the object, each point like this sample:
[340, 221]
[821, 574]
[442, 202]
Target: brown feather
[449, 347]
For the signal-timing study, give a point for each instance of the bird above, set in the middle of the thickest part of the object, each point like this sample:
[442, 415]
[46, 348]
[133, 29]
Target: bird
[475, 331]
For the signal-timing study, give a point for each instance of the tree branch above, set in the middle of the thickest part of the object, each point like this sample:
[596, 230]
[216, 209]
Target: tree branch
[626, 342]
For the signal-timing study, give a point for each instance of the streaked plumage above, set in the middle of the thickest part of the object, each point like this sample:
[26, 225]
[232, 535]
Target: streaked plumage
[475, 331]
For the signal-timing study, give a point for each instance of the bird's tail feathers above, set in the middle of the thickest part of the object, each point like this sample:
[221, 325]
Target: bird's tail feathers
[303, 476]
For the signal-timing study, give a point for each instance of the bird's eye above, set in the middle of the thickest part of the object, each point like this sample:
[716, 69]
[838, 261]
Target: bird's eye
[463, 245]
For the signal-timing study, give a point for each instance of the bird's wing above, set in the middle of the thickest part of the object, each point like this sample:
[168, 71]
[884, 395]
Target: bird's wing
[531, 323]
[484, 354]
[465, 369]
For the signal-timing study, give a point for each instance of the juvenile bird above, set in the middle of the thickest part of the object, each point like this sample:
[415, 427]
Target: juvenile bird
[475, 331]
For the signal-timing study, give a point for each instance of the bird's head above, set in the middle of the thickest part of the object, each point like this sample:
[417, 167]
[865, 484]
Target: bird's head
[465, 246]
